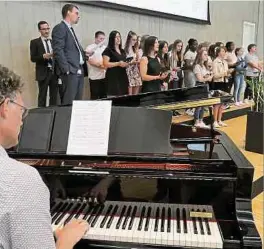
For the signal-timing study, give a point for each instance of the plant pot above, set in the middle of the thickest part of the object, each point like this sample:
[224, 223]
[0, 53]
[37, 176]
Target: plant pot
[254, 132]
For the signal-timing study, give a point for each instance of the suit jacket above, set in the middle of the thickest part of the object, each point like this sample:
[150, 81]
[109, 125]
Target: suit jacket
[66, 53]
[36, 55]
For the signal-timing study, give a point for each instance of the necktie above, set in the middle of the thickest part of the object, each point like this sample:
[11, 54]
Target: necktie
[47, 46]
[77, 42]
[48, 50]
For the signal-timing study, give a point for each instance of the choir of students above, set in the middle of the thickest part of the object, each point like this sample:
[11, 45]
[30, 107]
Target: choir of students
[149, 64]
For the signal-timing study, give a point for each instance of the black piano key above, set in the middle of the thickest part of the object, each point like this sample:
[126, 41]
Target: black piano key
[130, 225]
[55, 208]
[91, 217]
[156, 225]
[178, 218]
[194, 224]
[100, 210]
[169, 220]
[109, 223]
[162, 219]
[79, 212]
[61, 209]
[67, 210]
[128, 214]
[88, 212]
[73, 212]
[106, 216]
[141, 218]
[121, 217]
[184, 217]
[207, 225]
[200, 224]
[147, 220]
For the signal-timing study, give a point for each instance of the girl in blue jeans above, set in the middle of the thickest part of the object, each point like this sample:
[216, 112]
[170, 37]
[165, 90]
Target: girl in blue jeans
[239, 76]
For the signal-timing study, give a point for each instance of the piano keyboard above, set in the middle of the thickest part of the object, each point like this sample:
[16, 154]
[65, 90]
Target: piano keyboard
[143, 222]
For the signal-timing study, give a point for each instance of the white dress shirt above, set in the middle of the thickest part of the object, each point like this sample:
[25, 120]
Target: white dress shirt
[45, 46]
[81, 57]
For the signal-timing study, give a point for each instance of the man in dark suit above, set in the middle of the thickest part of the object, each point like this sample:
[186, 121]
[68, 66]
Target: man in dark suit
[41, 54]
[70, 60]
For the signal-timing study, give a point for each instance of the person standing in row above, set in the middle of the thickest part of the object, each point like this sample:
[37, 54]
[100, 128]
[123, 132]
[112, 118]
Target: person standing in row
[41, 54]
[133, 69]
[114, 58]
[150, 67]
[98, 84]
[220, 82]
[69, 55]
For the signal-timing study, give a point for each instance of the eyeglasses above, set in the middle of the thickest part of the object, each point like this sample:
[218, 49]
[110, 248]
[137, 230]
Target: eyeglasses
[23, 108]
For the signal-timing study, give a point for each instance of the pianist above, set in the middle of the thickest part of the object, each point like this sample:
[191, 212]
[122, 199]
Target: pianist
[25, 221]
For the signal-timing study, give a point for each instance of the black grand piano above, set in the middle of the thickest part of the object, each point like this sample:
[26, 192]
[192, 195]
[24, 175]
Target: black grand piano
[167, 187]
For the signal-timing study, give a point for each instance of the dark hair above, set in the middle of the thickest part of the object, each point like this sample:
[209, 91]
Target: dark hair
[41, 23]
[170, 47]
[218, 50]
[129, 37]
[10, 83]
[149, 44]
[211, 51]
[236, 51]
[97, 33]
[219, 44]
[111, 40]
[142, 42]
[251, 46]
[228, 46]
[190, 43]
[165, 59]
[67, 7]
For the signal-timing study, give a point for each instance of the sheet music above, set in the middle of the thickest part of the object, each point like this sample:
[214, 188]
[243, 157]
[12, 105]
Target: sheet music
[89, 128]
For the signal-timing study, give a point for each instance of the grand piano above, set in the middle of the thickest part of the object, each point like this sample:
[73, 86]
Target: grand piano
[173, 190]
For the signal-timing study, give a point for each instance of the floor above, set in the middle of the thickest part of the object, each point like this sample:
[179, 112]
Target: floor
[236, 130]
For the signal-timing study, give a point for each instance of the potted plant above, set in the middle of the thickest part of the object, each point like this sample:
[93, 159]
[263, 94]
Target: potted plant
[254, 129]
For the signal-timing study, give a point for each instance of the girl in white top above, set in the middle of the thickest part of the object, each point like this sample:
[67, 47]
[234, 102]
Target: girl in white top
[203, 76]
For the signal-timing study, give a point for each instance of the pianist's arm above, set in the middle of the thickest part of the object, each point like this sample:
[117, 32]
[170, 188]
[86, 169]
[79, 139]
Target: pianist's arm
[28, 218]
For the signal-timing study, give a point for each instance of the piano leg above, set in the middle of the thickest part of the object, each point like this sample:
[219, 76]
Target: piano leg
[212, 131]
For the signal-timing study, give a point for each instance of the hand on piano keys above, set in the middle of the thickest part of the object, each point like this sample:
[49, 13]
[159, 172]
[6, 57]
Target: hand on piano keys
[143, 222]
[71, 233]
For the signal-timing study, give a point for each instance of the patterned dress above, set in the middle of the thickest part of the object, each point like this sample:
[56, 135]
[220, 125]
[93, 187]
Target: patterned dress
[133, 74]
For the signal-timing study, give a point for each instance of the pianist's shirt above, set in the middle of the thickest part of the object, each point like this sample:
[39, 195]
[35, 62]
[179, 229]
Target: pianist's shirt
[25, 221]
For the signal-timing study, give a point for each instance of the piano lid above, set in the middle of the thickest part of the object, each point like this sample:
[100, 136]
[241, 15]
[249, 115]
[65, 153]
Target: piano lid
[180, 98]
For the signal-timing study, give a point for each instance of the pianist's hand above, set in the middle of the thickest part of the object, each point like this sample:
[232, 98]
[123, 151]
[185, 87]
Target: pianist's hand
[68, 236]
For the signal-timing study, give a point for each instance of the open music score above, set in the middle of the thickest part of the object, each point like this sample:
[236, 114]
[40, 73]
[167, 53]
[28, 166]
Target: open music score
[89, 128]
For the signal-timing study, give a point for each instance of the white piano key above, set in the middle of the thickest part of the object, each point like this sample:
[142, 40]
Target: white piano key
[209, 240]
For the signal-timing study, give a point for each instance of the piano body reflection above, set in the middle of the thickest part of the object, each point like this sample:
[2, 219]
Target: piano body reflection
[171, 190]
